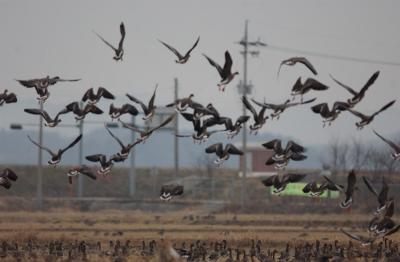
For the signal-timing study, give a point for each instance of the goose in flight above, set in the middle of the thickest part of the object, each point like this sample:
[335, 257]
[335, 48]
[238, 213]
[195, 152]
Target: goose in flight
[366, 119]
[182, 59]
[50, 122]
[149, 109]
[225, 72]
[119, 52]
[294, 60]
[222, 153]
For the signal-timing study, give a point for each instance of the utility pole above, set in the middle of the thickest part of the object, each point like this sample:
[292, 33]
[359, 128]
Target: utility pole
[80, 177]
[245, 89]
[132, 169]
[39, 188]
[176, 143]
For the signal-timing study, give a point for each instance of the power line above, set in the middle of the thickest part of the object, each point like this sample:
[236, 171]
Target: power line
[337, 57]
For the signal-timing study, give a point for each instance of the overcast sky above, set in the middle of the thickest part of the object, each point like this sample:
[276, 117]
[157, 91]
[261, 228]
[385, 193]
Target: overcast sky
[42, 38]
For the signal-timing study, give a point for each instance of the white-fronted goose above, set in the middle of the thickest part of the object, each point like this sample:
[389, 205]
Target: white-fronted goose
[280, 108]
[93, 98]
[119, 52]
[279, 152]
[357, 96]
[294, 60]
[105, 164]
[282, 162]
[395, 147]
[234, 129]
[351, 186]
[145, 134]
[316, 190]
[80, 170]
[382, 221]
[116, 112]
[280, 182]
[222, 153]
[303, 88]
[50, 122]
[149, 109]
[366, 241]
[182, 104]
[170, 191]
[125, 149]
[382, 196]
[7, 98]
[182, 59]
[225, 72]
[329, 115]
[5, 176]
[259, 118]
[80, 113]
[56, 156]
[365, 119]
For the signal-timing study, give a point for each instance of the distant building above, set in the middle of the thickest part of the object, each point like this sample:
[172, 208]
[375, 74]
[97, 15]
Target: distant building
[255, 158]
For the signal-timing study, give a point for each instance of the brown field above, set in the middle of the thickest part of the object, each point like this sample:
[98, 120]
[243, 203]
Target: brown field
[273, 230]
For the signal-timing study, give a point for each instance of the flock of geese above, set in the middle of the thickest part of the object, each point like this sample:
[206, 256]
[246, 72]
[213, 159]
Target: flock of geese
[203, 118]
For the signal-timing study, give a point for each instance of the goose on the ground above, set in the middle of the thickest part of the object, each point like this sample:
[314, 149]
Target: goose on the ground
[80, 113]
[56, 156]
[329, 115]
[351, 186]
[50, 122]
[170, 191]
[125, 149]
[294, 60]
[394, 146]
[280, 182]
[259, 118]
[117, 112]
[225, 72]
[367, 119]
[300, 88]
[182, 59]
[80, 170]
[280, 108]
[7, 98]
[149, 109]
[222, 153]
[93, 98]
[145, 134]
[5, 176]
[119, 52]
[357, 96]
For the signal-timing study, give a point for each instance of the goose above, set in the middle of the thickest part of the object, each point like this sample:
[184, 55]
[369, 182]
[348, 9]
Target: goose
[314, 190]
[234, 129]
[7, 98]
[279, 152]
[200, 111]
[367, 119]
[116, 113]
[383, 220]
[80, 170]
[50, 122]
[145, 134]
[329, 115]
[259, 118]
[284, 161]
[280, 108]
[105, 164]
[382, 196]
[182, 59]
[41, 85]
[303, 88]
[148, 109]
[280, 182]
[93, 98]
[56, 156]
[357, 96]
[125, 149]
[294, 60]
[366, 241]
[351, 186]
[119, 52]
[225, 72]
[80, 113]
[170, 191]
[5, 176]
[222, 153]
[182, 104]
[395, 147]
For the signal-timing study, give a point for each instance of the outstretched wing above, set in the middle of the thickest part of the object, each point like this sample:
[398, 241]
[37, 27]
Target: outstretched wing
[191, 49]
[337, 185]
[172, 49]
[166, 122]
[35, 111]
[270, 181]
[369, 185]
[72, 144]
[214, 64]
[389, 142]
[355, 237]
[41, 146]
[151, 102]
[250, 108]
[384, 107]
[8, 173]
[115, 137]
[134, 99]
[105, 41]
[370, 82]
[349, 89]
[233, 150]
[293, 178]
[131, 127]
[214, 148]
[228, 64]
[96, 158]
[356, 113]
[122, 30]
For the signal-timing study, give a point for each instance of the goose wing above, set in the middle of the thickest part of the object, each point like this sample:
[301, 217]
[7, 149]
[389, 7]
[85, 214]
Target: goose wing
[214, 64]
[172, 49]
[193, 47]
[41, 146]
[77, 139]
[105, 41]
[389, 142]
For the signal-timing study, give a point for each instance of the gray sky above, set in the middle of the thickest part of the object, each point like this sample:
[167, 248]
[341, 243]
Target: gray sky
[42, 38]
